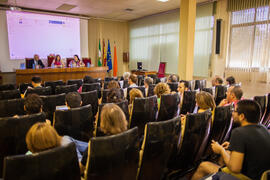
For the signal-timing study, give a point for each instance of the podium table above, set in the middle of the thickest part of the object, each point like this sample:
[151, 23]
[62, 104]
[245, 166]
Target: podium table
[54, 74]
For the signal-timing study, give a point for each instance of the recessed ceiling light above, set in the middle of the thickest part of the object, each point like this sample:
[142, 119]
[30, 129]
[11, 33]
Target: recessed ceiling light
[163, 0]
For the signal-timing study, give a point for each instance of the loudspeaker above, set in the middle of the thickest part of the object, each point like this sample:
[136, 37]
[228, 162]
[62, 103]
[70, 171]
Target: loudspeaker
[125, 57]
[139, 65]
[218, 34]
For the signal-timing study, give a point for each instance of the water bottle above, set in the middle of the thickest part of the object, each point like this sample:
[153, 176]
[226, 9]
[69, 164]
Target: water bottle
[71, 65]
[88, 64]
[52, 65]
[33, 66]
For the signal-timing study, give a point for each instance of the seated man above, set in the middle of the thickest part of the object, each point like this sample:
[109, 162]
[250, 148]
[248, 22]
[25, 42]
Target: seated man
[36, 83]
[233, 95]
[36, 62]
[132, 80]
[217, 81]
[73, 100]
[173, 78]
[249, 147]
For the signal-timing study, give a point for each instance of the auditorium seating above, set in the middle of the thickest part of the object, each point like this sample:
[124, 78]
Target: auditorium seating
[154, 77]
[24, 86]
[160, 139]
[75, 122]
[173, 86]
[54, 164]
[10, 94]
[191, 85]
[125, 84]
[110, 78]
[90, 97]
[42, 91]
[194, 138]
[79, 82]
[168, 106]
[12, 134]
[261, 100]
[11, 107]
[140, 80]
[220, 93]
[266, 116]
[113, 157]
[106, 83]
[144, 110]
[209, 90]
[66, 89]
[86, 61]
[151, 90]
[105, 93]
[50, 103]
[6, 87]
[200, 84]
[53, 84]
[188, 102]
[92, 87]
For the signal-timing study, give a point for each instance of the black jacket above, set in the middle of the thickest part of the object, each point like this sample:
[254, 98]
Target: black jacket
[30, 63]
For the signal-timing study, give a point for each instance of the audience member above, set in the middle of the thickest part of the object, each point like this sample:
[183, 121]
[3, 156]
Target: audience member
[217, 81]
[147, 81]
[230, 81]
[133, 93]
[36, 83]
[132, 81]
[87, 80]
[126, 75]
[173, 78]
[114, 96]
[247, 154]
[57, 62]
[233, 95]
[76, 62]
[160, 89]
[33, 104]
[73, 100]
[205, 101]
[113, 84]
[36, 62]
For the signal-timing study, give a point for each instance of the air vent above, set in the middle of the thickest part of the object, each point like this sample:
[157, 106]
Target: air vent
[66, 7]
[129, 10]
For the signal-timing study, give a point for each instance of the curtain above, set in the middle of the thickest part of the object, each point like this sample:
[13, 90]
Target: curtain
[203, 40]
[249, 43]
[237, 5]
[155, 39]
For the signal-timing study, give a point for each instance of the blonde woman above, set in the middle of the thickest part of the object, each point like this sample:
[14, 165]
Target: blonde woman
[205, 101]
[160, 89]
[133, 93]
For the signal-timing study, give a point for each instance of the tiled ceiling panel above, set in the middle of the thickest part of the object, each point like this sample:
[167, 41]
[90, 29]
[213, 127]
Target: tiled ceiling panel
[112, 9]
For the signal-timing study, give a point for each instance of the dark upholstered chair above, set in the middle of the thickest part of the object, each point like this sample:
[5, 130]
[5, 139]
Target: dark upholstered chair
[140, 80]
[151, 90]
[173, 86]
[188, 103]
[220, 93]
[125, 84]
[106, 83]
[261, 100]
[154, 77]
[42, 91]
[160, 139]
[90, 97]
[75, 122]
[11, 107]
[53, 84]
[24, 86]
[10, 94]
[110, 78]
[266, 175]
[193, 142]
[266, 118]
[141, 88]
[144, 110]
[200, 84]
[113, 157]
[54, 164]
[106, 92]
[6, 87]
[79, 82]
[209, 90]
[12, 134]
[168, 106]
[50, 103]
[92, 87]
[191, 85]
[65, 89]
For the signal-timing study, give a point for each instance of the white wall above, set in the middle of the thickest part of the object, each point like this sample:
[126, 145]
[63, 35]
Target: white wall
[7, 65]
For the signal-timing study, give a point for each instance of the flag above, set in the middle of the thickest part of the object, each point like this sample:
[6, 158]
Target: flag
[104, 54]
[114, 62]
[99, 54]
[109, 58]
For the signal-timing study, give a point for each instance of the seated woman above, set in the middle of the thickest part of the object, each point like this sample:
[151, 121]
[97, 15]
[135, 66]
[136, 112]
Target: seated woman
[133, 93]
[87, 80]
[57, 62]
[112, 121]
[114, 96]
[205, 101]
[113, 84]
[160, 89]
[76, 62]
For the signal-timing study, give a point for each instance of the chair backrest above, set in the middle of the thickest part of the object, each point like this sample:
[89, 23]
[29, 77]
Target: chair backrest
[173, 86]
[113, 157]
[106, 83]
[154, 77]
[66, 89]
[75, 122]
[141, 88]
[10, 94]
[90, 97]
[140, 80]
[6, 87]
[168, 106]
[28, 63]
[160, 140]
[54, 164]
[68, 61]
[151, 90]
[42, 91]
[53, 84]
[92, 87]
[209, 90]
[12, 134]
[11, 107]
[79, 82]
[50, 103]
[191, 85]
[144, 110]
[50, 60]
[105, 93]
[200, 84]
[125, 84]
[261, 100]
[194, 140]
[189, 102]
[266, 175]
[24, 86]
[161, 69]
[266, 117]
[220, 93]
[86, 61]
[110, 78]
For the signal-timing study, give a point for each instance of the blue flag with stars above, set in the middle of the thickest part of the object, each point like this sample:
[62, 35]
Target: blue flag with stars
[109, 58]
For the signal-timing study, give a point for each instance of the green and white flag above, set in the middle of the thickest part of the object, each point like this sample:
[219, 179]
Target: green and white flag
[99, 55]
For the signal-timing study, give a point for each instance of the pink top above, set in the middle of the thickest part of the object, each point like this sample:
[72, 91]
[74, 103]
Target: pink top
[57, 63]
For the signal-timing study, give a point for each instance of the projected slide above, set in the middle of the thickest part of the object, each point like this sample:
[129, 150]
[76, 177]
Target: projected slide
[30, 34]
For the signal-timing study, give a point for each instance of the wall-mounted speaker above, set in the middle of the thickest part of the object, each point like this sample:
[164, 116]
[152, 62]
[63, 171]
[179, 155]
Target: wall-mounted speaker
[218, 35]
[125, 57]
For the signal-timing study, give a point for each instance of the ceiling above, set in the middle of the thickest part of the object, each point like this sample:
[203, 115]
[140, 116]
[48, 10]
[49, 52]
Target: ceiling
[109, 9]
